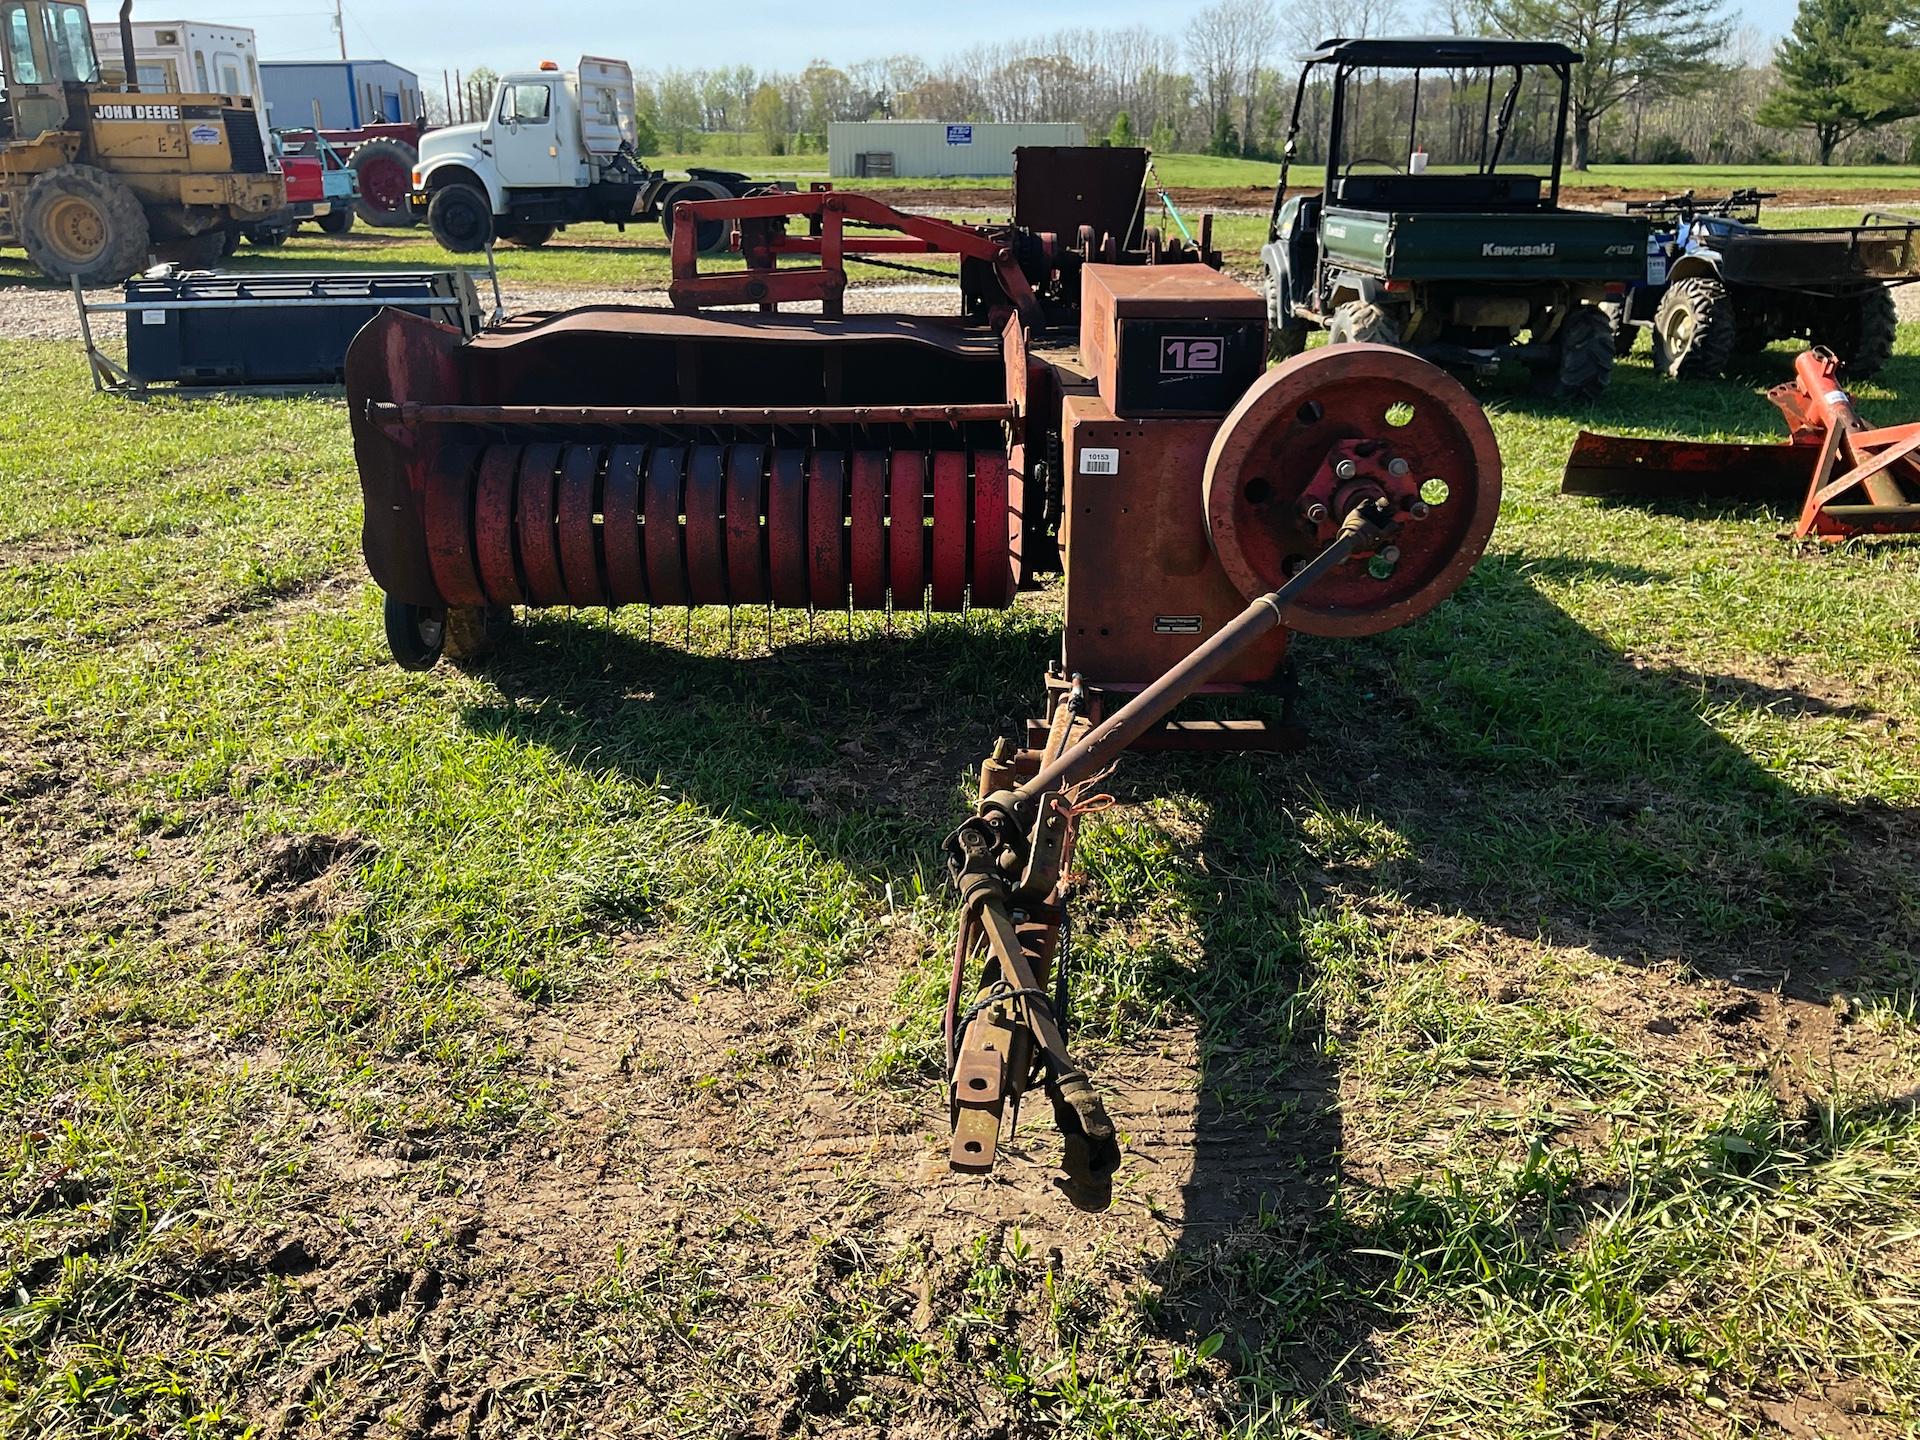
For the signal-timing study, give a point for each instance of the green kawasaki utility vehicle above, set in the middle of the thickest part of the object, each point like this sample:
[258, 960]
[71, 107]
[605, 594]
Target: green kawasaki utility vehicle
[1439, 228]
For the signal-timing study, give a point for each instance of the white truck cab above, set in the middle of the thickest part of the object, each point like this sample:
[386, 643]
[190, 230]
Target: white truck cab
[556, 148]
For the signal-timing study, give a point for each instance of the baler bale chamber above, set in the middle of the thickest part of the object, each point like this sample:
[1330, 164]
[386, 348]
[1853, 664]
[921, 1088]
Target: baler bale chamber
[1098, 407]
[614, 456]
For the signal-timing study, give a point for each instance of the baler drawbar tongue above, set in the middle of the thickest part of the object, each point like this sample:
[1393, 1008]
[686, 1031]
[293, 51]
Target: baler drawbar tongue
[1845, 477]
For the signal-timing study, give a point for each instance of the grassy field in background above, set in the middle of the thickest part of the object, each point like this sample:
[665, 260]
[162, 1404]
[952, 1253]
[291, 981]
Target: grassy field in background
[552, 1049]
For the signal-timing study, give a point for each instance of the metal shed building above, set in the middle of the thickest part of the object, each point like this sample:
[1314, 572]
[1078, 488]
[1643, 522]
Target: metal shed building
[936, 147]
[350, 93]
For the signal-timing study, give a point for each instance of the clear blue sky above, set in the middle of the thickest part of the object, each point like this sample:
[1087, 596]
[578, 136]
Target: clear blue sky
[425, 35]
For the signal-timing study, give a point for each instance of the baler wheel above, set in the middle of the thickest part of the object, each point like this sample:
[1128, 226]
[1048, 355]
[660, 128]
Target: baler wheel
[416, 634]
[1275, 491]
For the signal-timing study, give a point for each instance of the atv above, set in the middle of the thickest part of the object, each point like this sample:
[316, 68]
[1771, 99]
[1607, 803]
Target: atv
[1720, 286]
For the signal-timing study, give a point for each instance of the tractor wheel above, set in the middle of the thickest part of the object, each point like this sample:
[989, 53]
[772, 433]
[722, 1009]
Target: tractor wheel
[527, 237]
[1583, 354]
[1694, 330]
[200, 252]
[336, 222]
[1861, 332]
[80, 222]
[416, 634]
[460, 218]
[1362, 322]
[1624, 333]
[383, 171]
[713, 233]
[473, 632]
[1286, 336]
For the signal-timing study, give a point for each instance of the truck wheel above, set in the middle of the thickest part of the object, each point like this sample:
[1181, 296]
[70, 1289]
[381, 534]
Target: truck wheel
[416, 634]
[1361, 322]
[1624, 333]
[460, 218]
[713, 233]
[1693, 330]
[79, 221]
[527, 237]
[383, 172]
[1861, 333]
[1582, 356]
[336, 222]
[269, 234]
[1286, 336]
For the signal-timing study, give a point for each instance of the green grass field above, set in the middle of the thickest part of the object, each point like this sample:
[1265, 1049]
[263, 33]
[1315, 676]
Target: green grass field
[551, 1050]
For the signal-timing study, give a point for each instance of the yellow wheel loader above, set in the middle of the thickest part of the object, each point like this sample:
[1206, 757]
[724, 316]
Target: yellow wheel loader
[94, 181]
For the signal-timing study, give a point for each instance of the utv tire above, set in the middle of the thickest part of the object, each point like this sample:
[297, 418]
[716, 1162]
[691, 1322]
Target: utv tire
[1583, 354]
[1286, 336]
[527, 237]
[336, 222]
[474, 632]
[79, 222]
[1694, 330]
[1624, 332]
[416, 634]
[713, 233]
[1361, 322]
[1862, 333]
[383, 176]
[460, 218]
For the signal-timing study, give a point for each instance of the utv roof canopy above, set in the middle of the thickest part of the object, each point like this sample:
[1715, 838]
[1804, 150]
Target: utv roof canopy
[1428, 52]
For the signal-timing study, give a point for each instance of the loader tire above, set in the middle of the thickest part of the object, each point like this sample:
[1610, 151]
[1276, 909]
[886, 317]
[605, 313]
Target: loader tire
[460, 218]
[1694, 330]
[1361, 322]
[1286, 336]
[383, 176]
[713, 233]
[473, 632]
[527, 237]
[79, 222]
[1861, 333]
[336, 222]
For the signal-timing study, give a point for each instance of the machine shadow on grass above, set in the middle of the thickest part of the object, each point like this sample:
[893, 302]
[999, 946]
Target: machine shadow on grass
[1496, 763]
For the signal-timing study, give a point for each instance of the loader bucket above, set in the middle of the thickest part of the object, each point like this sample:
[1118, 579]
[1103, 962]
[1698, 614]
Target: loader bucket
[1629, 467]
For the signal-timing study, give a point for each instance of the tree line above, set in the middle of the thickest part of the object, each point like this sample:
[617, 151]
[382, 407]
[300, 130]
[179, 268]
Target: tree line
[1664, 82]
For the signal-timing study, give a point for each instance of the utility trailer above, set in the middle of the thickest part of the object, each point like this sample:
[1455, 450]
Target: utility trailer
[1719, 285]
[556, 149]
[1460, 257]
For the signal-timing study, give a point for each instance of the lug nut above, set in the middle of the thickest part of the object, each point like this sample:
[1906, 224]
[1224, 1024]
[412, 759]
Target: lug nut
[1390, 554]
[1345, 469]
[1316, 513]
[1397, 466]
[1418, 509]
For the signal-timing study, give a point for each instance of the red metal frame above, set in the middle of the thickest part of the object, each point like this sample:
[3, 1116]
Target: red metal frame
[828, 212]
[1875, 461]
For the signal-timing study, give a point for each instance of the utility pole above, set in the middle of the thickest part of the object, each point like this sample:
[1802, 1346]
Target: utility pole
[340, 27]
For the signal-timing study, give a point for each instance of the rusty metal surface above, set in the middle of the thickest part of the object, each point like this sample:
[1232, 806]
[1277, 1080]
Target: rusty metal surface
[1276, 450]
[1629, 466]
[1143, 588]
[1059, 188]
[410, 414]
[1846, 478]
